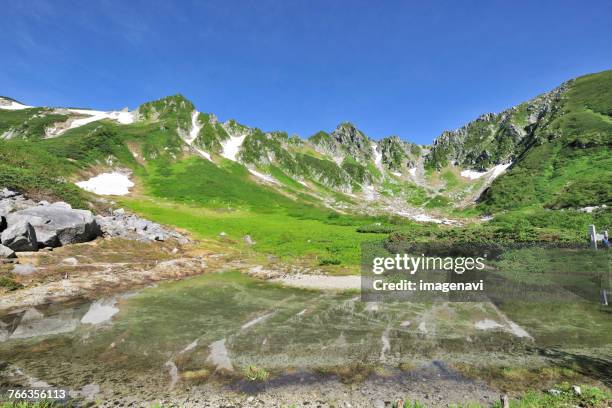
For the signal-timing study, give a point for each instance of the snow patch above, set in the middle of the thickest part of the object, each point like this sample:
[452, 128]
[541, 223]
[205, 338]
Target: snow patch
[124, 118]
[203, 154]
[264, 177]
[107, 184]
[425, 218]
[377, 156]
[472, 174]
[493, 172]
[195, 127]
[412, 171]
[231, 146]
[396, 174]
[499, 169]
[420, 217]
[12, 105]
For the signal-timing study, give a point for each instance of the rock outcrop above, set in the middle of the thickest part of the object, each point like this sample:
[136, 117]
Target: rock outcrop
[493, 139]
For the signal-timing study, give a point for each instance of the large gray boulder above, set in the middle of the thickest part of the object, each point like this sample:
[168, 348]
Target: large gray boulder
[19, 235]
[6, 252]
[58, 225]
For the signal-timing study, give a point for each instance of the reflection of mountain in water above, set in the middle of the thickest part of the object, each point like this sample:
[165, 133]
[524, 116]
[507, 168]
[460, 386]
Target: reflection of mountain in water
[34, 323]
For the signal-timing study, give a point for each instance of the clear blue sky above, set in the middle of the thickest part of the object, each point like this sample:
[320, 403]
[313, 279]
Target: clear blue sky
[409, 68]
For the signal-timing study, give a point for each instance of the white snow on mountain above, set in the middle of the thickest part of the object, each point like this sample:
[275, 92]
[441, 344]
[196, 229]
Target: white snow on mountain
[195, 127]
[493, 172]
[377, 156]
[12, 105]
[107, 184]
[231, 146]
[264, 177]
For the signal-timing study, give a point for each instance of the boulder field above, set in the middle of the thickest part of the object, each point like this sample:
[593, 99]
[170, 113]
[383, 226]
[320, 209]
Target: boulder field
[26, 225]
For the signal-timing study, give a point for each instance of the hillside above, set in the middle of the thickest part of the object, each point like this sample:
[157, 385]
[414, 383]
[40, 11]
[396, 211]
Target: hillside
[551, 152]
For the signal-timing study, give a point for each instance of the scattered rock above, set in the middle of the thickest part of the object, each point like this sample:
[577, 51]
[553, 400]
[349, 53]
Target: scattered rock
[19, 236]
[24, 269]
[249, 240]
[6, 193]
[70, 261]
[577, 390]
[128, 226]
[26, 225]
[554, 392]
[6, 252]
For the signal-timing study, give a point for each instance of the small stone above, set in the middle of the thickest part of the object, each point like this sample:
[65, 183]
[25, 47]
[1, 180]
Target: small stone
[249, 240]
[577, 390]
[554, 392]
[70, 261]
[24, 269]
[251, 399]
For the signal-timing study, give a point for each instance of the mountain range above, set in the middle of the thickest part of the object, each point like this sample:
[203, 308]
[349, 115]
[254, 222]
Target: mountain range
[551, 151]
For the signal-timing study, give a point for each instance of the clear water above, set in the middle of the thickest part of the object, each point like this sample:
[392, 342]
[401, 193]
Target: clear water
[222, 323]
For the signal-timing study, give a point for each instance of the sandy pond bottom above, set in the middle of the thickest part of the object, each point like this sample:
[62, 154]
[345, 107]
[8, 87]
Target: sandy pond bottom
[201, 333]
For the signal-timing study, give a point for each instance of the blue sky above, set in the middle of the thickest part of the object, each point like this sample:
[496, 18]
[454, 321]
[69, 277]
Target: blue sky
[407, 68]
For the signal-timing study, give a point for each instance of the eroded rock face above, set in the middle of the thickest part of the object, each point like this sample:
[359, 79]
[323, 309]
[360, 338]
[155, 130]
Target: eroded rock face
[19, 235]
[58, 224]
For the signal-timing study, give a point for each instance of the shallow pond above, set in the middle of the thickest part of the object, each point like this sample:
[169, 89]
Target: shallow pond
[212, 327]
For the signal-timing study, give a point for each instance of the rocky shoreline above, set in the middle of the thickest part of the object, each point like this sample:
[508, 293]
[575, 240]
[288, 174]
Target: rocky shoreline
[50, 252]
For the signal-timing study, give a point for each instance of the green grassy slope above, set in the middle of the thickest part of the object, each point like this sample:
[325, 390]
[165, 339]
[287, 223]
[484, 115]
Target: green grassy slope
[207, 199]
[569, 163]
